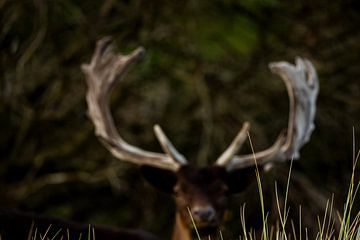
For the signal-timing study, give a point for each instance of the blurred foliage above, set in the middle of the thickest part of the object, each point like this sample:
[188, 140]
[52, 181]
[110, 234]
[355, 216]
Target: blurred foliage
[204, 74]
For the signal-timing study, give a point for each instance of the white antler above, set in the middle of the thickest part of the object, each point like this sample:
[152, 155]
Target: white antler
[102, 74]
[302, 86]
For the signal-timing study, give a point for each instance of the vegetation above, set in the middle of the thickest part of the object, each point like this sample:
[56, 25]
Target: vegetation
[349, 220]
[204, 74]
[35, 235]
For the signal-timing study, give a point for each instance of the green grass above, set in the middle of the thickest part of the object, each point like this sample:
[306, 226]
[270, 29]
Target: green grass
[349, 227]
[349, 221]
[35, 235]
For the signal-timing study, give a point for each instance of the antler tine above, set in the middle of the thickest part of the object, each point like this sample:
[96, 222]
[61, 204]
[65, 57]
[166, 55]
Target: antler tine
[102, 74]
[234, 147]
[302, 86]
[168, 147]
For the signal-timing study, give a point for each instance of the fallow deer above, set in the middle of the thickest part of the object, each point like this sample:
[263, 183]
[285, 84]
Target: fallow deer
[199, 192]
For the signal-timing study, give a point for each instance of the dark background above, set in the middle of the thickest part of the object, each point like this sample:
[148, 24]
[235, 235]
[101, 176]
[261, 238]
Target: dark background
[204, 74]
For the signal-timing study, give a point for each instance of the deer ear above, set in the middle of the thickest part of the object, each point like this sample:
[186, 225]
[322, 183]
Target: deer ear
[237, 180]
[161, 179]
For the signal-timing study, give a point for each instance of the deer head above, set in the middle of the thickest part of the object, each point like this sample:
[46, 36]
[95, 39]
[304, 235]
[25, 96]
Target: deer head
[202, 191]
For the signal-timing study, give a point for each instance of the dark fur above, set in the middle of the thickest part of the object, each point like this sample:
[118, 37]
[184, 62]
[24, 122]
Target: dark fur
[207, 186]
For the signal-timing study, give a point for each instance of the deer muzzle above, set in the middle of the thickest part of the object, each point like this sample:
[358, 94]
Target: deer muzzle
[203, 214]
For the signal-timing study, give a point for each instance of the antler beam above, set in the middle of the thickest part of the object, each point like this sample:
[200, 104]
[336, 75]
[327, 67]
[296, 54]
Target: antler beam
[102, 74]
[302, 86]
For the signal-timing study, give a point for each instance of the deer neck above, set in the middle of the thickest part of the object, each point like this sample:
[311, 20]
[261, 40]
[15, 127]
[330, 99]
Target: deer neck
[182, 232]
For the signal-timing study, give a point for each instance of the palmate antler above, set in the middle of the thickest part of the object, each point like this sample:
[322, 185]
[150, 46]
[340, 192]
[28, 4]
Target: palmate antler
[302, 86]
[102, 74]
[107, 68]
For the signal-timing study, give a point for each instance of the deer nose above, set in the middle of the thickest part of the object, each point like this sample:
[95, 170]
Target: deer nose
[203, 214]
